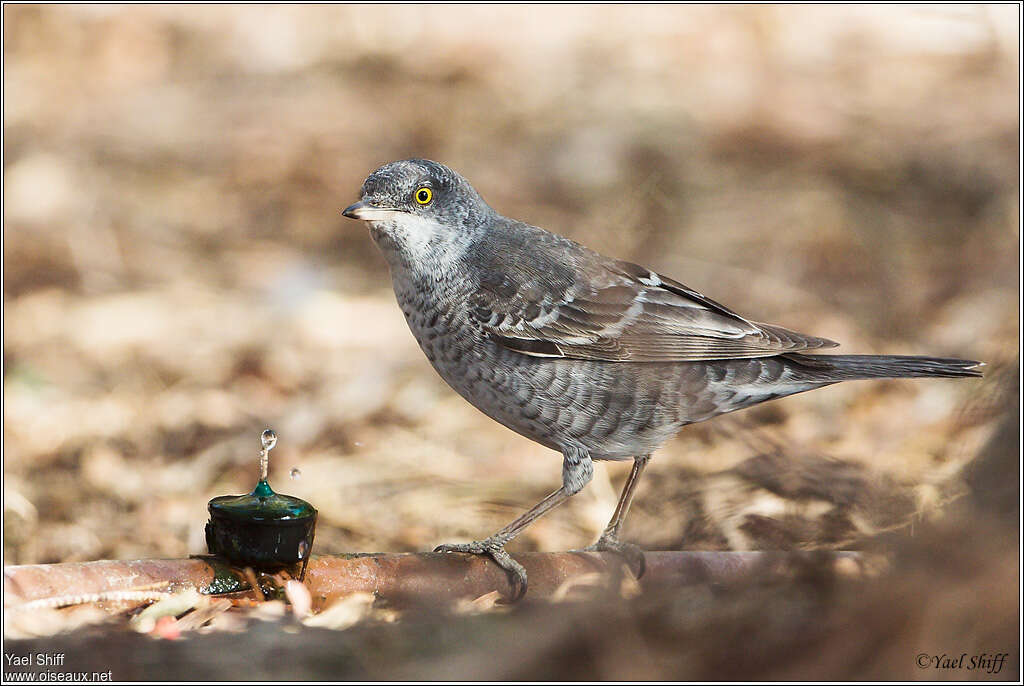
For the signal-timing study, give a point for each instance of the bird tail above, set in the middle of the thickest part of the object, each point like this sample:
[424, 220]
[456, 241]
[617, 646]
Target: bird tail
[848, 367]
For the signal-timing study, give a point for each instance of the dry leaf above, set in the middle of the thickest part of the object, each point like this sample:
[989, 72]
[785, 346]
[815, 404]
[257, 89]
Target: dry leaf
[269, 611]
[171, 606]
[299, 597]
[343, 613]
[485, 603]
[201, 615]
[48, 621]
[580, 581]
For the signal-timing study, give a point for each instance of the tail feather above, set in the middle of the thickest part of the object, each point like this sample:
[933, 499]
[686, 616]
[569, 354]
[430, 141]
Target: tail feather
[848, 367]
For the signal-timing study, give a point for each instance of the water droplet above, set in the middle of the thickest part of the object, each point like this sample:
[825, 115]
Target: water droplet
[268, 439]
[295, 473]
[359, 444]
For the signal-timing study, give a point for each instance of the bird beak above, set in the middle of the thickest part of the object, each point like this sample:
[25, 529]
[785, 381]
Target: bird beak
[364, 210]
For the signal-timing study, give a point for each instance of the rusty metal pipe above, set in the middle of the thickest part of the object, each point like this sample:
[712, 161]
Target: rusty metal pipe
[409, 578]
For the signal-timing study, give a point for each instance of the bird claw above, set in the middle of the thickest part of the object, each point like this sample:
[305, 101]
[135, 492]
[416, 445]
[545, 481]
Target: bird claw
[632, 554]
[495, 549]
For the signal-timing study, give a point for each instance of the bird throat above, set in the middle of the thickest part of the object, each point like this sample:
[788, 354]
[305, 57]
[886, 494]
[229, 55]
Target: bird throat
[416, 243]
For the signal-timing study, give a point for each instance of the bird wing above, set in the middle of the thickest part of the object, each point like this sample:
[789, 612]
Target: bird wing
[586, 306]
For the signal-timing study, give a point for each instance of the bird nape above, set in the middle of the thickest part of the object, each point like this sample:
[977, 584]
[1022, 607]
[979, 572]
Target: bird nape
[595, 357]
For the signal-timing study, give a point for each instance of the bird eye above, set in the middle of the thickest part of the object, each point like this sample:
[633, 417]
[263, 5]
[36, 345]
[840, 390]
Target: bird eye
[423, 196]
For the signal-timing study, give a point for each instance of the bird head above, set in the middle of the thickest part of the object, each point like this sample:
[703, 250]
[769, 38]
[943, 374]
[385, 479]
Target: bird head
[414, 204]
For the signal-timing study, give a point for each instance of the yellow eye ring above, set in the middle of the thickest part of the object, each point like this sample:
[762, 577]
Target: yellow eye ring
[423, 195]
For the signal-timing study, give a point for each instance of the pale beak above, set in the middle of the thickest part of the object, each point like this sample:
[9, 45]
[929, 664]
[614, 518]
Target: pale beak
[364, 210]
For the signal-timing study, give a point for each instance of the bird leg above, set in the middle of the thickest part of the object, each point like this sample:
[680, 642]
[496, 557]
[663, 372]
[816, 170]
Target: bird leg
[609, 540]
[577, 470]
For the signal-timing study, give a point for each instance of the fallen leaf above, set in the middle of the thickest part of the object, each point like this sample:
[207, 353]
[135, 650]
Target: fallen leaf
[171, 606]
[344, 613]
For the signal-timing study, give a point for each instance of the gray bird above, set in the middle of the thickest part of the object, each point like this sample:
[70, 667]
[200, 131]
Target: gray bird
[594, 357]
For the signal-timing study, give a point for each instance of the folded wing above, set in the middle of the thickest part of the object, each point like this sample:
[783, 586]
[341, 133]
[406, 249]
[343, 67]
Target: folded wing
[616, 311]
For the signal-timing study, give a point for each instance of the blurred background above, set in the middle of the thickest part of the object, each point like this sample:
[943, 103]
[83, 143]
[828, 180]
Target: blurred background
[177, 274]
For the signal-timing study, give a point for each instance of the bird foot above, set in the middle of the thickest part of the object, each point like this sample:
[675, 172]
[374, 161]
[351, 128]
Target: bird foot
[632, 554]
[495, 549]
